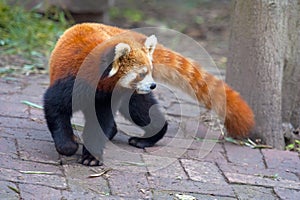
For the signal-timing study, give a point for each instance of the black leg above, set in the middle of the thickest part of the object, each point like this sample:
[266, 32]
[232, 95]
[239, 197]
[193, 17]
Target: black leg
[99, 127]
[58, 111]
[106, 119]
[144, 112]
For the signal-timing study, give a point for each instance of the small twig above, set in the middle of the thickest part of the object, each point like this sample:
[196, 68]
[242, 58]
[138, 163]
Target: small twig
[205, 139]
[262, 146]
[33, 105]
[14, 189]
[134, 164]
[37, 172]
[234, 141]
[251, 142]
[99, 174]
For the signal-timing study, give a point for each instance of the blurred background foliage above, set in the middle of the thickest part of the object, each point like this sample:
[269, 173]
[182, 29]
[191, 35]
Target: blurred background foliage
[29, 33]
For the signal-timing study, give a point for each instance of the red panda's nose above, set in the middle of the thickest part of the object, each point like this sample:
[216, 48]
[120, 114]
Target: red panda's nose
[153, 86]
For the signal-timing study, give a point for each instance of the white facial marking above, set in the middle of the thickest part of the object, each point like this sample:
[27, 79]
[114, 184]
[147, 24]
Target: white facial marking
[144, 86]
[142, 70]
[126, 80]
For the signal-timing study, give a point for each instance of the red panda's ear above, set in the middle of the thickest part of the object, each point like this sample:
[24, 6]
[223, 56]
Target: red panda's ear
[121, 49]
[150, 44]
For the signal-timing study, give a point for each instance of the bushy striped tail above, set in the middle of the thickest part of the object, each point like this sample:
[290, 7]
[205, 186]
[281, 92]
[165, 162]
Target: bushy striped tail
[215, 94]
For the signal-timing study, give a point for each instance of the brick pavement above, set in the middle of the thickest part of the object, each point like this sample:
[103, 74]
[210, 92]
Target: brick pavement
[30, 168]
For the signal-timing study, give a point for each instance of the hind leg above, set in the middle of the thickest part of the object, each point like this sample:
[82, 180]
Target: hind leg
[141, 107]
[58, 112]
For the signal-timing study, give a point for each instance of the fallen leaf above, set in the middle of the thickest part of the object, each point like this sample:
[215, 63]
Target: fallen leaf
[185, 197]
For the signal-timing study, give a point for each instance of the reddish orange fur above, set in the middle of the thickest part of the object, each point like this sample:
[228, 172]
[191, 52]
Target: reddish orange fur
[77, 42]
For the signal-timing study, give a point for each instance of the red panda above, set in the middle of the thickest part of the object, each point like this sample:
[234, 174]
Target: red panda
[131, 61]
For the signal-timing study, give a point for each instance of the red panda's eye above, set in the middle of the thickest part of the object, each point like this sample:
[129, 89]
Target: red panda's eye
[142, 75]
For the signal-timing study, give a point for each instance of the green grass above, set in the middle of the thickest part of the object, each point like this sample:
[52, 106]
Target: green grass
[294, 146]
[29, 33]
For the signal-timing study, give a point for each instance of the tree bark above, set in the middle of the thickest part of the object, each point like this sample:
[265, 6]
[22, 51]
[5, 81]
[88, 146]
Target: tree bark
[255, 64]
[291, 78]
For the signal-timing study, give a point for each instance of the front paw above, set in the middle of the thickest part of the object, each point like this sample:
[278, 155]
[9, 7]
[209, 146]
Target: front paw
[89, 160]
[140, 142]
[67, 148]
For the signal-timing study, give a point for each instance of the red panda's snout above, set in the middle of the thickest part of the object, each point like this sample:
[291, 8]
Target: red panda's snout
[138, 79]
[146, 85]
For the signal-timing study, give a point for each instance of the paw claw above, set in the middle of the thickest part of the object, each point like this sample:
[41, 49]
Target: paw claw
[89, 160]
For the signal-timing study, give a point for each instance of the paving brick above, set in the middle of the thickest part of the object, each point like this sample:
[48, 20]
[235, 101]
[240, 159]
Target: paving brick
[88, 195]
[179, 163]
[188, 128]
[171, 195]
[189, 186]
[32, 134]
[205, 172]
[212, 152]
[37, 89]
[285, 160]
[256, 171]
[25, 123]
[17, 97]
[183, 109]
[130, 130]
[189, 142]
[7, 192]
[39, 179]
[164, 167]
[166, 151]
[124, 159]
[19, 110]
[245, 192]
[80, 183]
[175, 142]
[23, 165]
[287, 194]
[30, 191]
[125, 184]
[261, 180]
[36, 150]
[242, 155]
[8, 147]
[120, 141]
[9, 87]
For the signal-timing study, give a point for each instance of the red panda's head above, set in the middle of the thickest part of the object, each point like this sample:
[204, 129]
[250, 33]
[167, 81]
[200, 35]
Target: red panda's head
[133, 65]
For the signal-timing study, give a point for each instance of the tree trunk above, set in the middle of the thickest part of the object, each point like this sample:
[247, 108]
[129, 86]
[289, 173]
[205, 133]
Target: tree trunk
[255, 64]
[291, 78]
